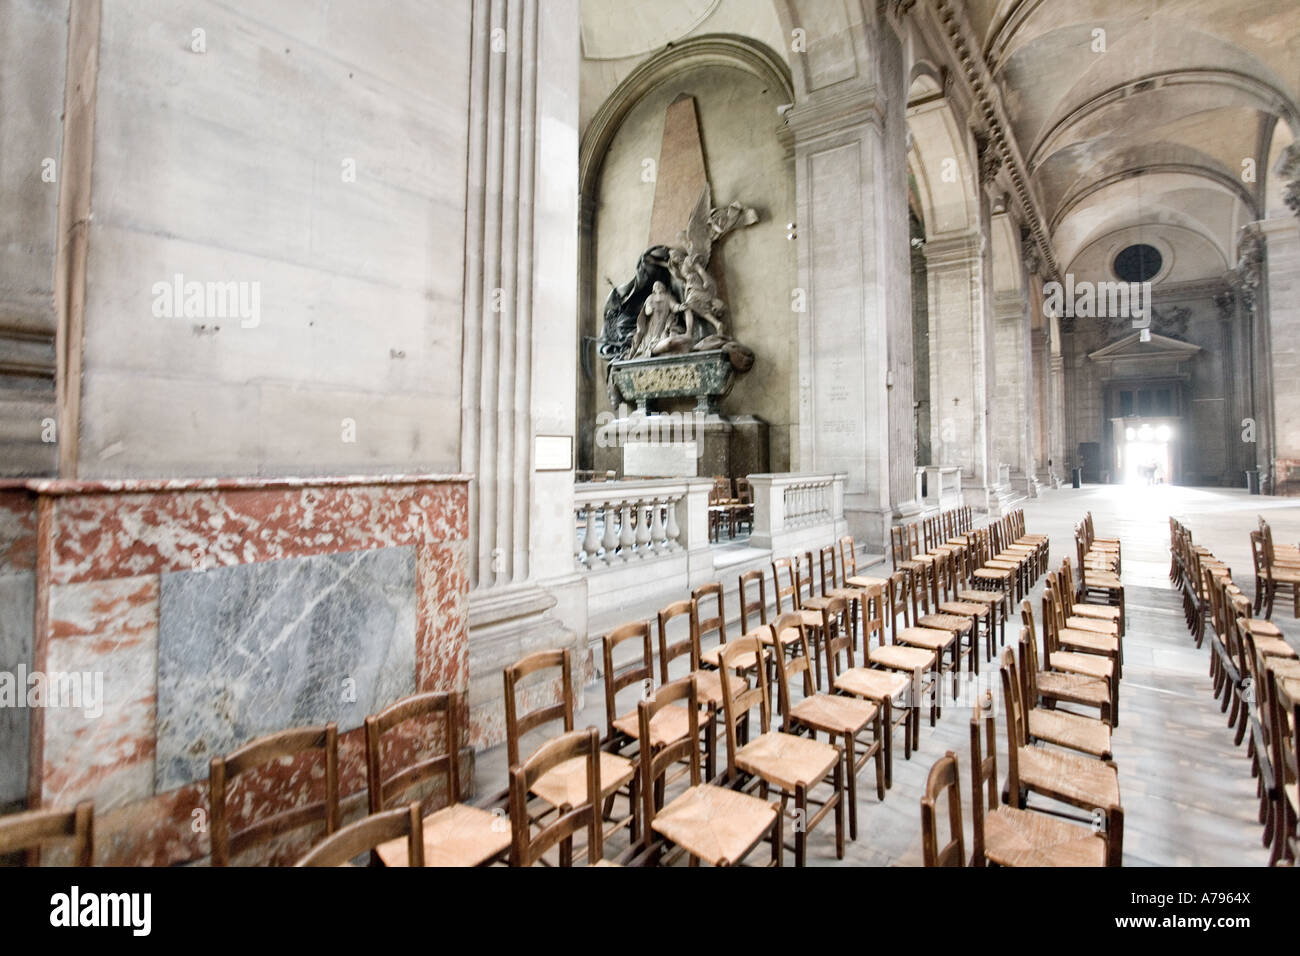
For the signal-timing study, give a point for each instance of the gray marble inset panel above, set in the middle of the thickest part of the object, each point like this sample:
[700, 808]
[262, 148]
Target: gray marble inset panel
[257, 648]
[17, 601]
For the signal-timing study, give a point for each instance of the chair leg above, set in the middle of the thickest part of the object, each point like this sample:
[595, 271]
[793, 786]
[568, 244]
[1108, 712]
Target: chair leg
[800, 826]
[853, 785]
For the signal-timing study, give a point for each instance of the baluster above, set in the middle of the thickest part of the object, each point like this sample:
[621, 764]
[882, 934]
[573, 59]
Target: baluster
[656, 525]
[610, 541]
[672, 530]
[642, 528]
[589, 543]
[626, 536]
[578, 554]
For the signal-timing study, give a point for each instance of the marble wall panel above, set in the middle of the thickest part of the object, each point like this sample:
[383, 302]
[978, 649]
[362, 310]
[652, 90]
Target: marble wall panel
[250, 650]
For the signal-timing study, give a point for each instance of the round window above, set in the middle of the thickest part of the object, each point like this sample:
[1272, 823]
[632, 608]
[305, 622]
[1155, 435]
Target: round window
[1138, 263]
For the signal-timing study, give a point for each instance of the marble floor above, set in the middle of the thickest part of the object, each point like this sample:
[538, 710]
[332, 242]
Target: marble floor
[1188, 795]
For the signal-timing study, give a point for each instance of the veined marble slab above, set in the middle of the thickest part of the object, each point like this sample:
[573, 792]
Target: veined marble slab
[252, 649]
[17, 594]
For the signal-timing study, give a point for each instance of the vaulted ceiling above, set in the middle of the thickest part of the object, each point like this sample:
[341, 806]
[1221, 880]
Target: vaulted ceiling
[1161, 114]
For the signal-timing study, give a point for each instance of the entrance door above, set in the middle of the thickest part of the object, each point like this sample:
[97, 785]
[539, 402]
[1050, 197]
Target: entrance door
[1146, 450]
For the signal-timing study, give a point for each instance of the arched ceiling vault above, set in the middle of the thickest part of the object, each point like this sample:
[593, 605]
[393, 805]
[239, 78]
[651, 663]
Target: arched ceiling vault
[1146, 114]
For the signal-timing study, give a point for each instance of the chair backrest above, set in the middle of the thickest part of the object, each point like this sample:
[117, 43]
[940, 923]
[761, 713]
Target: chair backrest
[744, 491]
[1028, 667]
[655, 761]
[735, 705]
[1017, 731]
[787, 593]
[898, 548]
[830, 575]
[748, 607]
[722, 488]
[805, 575]
[942, 782]
[898, 598]
[319, 742]
[788, 669]
[702, 597]
[848, 557]
[672, 648]
[1258, 556]
[519, 724]
[983, 776]
[914, 539]
[393, 789]
[641, 673]
[526, 846]
[34, 828]
[368, 833]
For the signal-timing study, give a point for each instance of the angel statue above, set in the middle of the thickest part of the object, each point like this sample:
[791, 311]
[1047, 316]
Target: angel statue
[700, 296]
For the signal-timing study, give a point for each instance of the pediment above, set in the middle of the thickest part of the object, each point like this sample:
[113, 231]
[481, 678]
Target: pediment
[1132, 347]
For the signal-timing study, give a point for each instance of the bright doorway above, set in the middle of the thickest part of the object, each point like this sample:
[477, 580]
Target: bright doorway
[1145, 450]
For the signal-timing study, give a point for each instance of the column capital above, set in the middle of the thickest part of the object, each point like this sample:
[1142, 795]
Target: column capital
[836, 109]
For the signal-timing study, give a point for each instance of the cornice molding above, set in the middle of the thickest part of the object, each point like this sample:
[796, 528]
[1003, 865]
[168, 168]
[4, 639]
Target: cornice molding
[964, 51]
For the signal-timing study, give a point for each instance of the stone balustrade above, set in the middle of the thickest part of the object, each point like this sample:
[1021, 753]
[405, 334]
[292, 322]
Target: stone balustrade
[623, 522]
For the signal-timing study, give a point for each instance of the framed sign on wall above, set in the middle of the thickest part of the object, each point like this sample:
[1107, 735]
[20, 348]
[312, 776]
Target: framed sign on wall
[552, 452]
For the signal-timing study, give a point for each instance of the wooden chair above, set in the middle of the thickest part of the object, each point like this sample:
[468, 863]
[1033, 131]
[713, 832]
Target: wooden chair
[792, 764]
[1102, 583]
[990, 575]
[849, 564]
[1275, 575]
[1081, 782]
[845, 720]
[1076, 608]
[457, 834]
[564, 785]
[321, 743]
[890, 691]
[744, 512]
[943, 599]
[31, 830]
[368, 834]
[1049, 688]
[789, 596]
[963, 627]
[708, 683]
[528, 847]
[983, 591]
[1081, 635]
[1088, 735]
[717, 825]
[942, 781]
[1070, 662]
[622, 727]
[923, 666]
[1009, 836]
[933, 640]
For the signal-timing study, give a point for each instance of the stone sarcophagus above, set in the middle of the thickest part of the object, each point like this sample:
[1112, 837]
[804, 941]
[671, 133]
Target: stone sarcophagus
[705, 376]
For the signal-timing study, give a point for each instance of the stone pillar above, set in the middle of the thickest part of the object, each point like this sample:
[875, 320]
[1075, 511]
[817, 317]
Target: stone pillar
[1011, 384]
[519, 335]
[855, 338]
[1277, 301]
[959, 349]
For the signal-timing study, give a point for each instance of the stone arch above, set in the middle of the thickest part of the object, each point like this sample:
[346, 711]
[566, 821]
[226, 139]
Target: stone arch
[714, 51]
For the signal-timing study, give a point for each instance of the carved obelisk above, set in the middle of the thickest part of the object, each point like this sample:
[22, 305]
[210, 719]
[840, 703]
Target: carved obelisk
[680, 179]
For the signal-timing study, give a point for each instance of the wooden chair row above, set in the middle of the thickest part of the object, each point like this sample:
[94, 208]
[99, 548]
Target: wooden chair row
[1054, 756]
[1253, 672]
